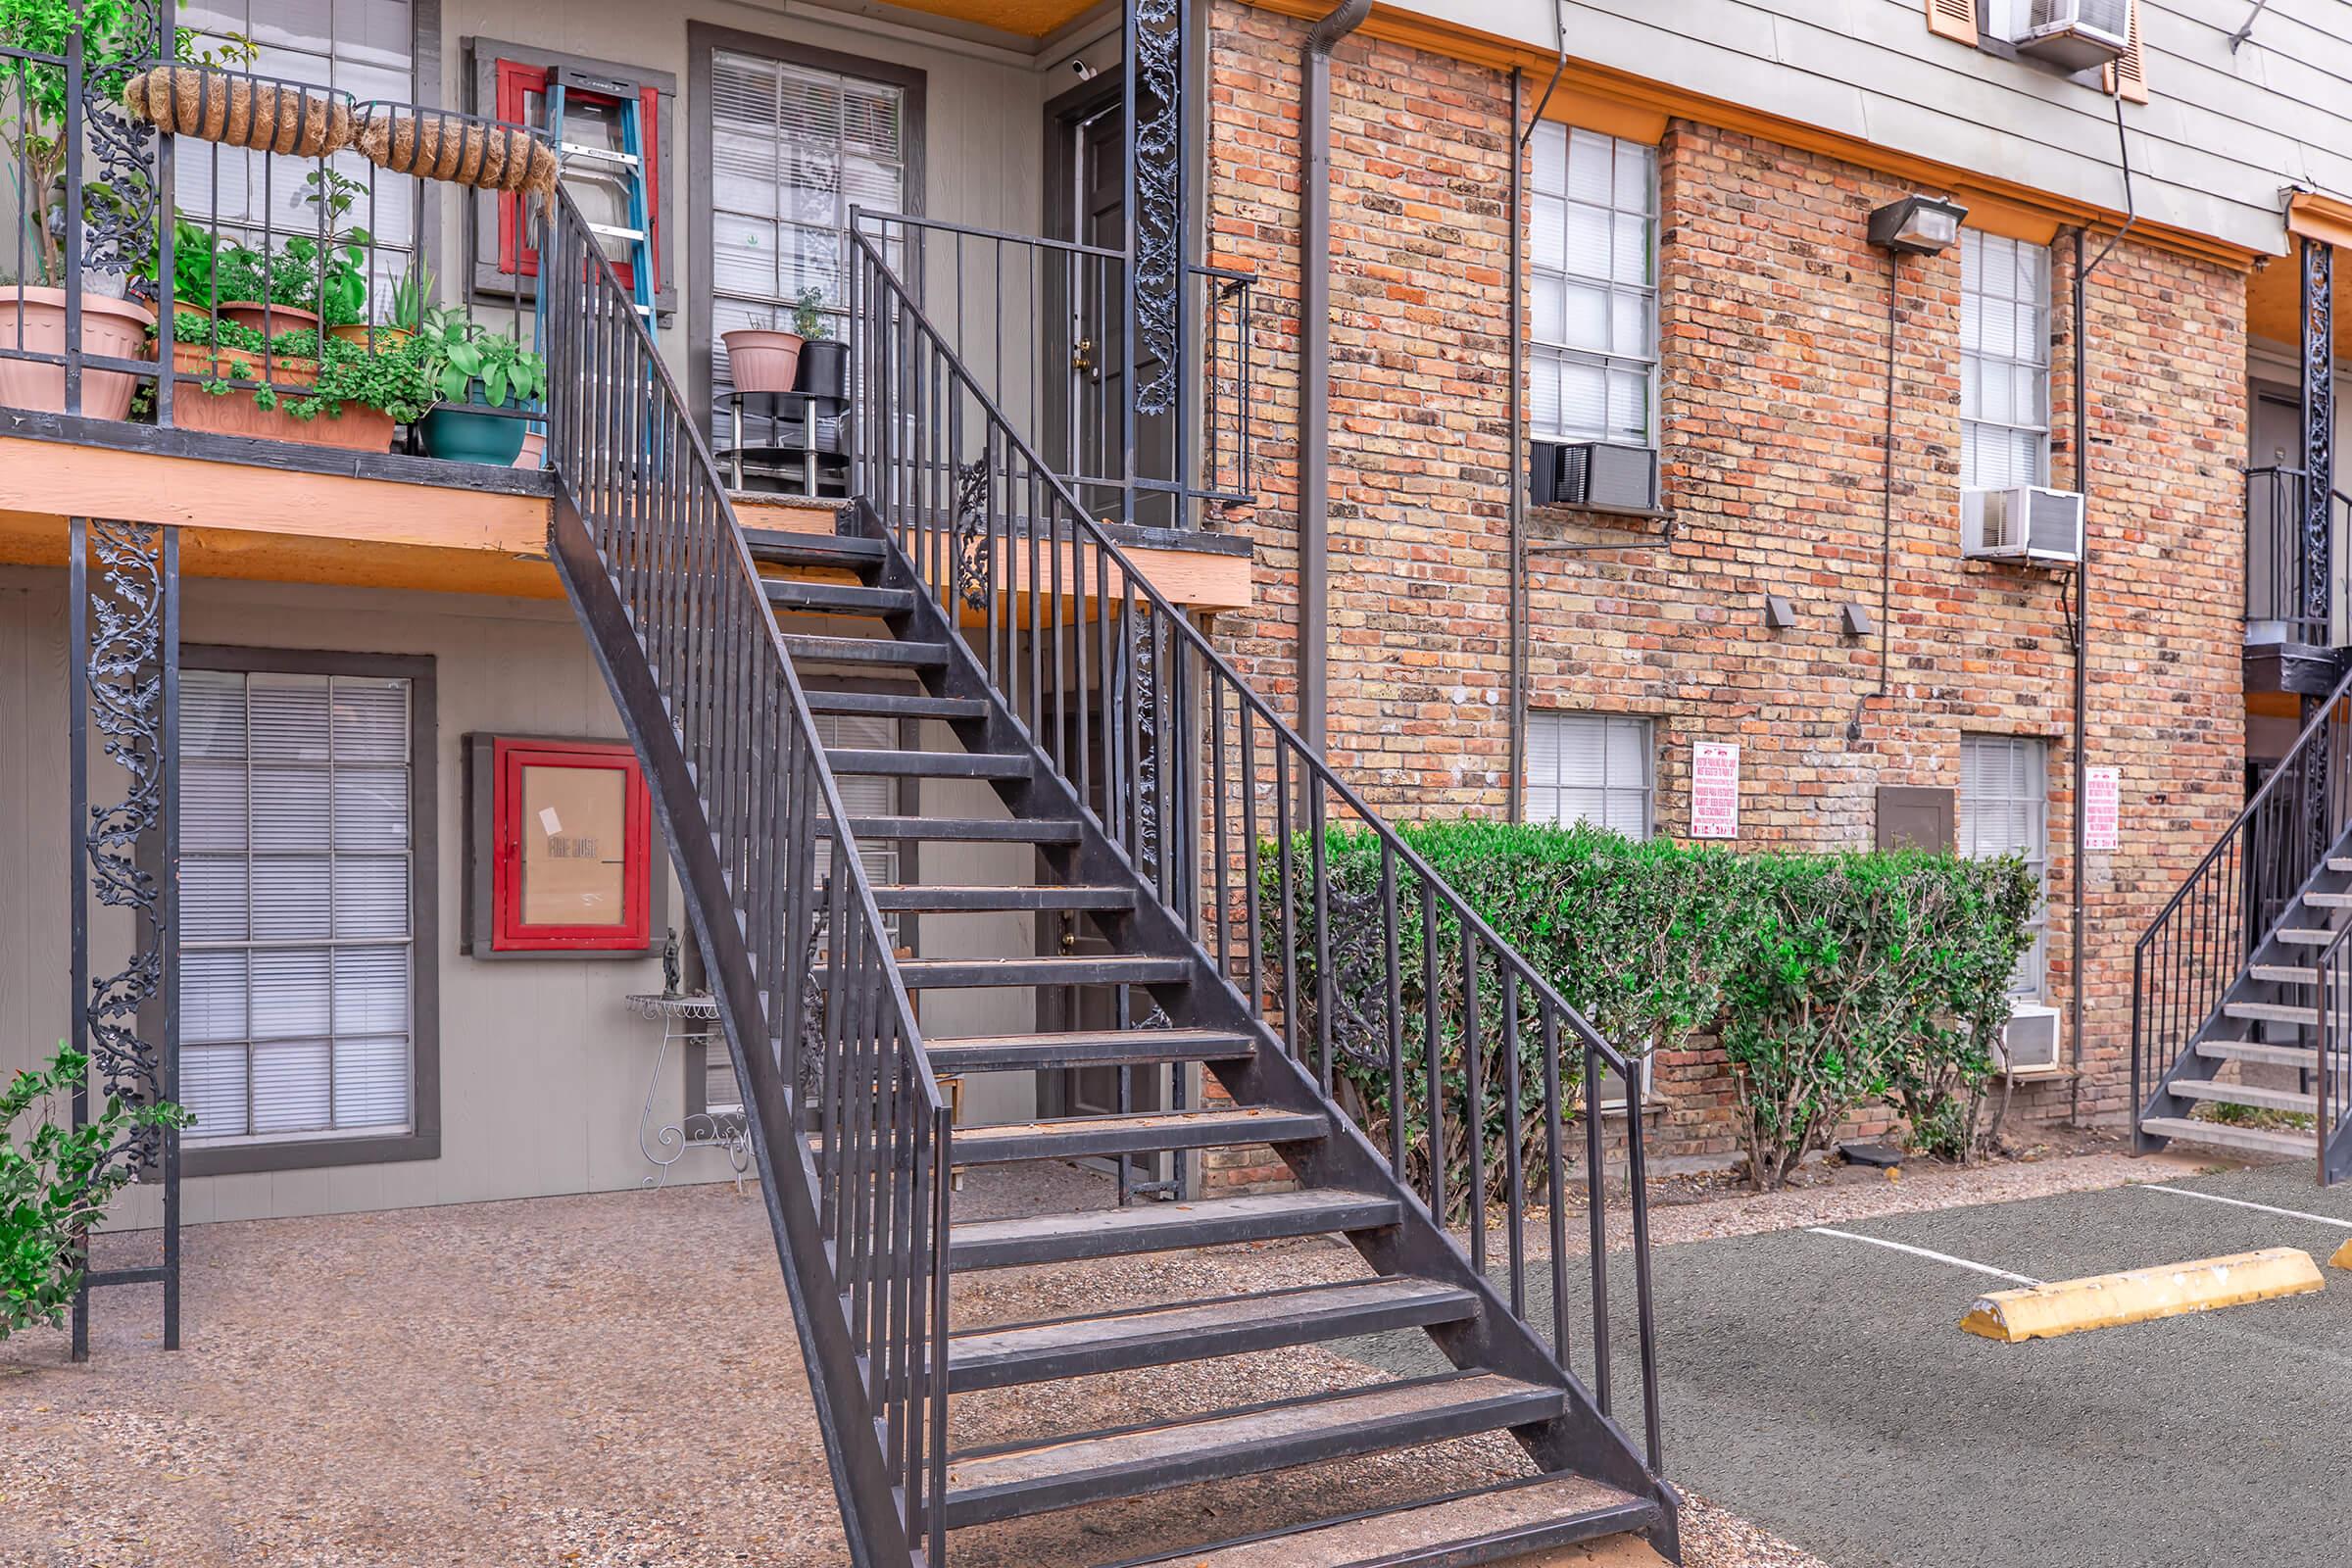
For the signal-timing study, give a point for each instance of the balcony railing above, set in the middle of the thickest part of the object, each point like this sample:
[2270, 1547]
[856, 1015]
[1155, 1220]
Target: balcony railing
[2294, 593]
[1041, 325]
[260, 277]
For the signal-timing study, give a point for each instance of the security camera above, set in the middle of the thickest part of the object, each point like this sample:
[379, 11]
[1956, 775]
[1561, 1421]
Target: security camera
[1082, 71]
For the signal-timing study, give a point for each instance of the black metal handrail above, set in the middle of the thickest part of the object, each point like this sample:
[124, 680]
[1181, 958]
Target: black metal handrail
[1039, 323]
[2287, 581]
[1189, 772]
[2201, 940]
[849, 1128]
[2331, 1076]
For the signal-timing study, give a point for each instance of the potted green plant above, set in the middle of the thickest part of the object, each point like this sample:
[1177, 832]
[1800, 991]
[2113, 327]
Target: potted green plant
[32, 308]
[764, 358]
[824, 361]
[473, 372]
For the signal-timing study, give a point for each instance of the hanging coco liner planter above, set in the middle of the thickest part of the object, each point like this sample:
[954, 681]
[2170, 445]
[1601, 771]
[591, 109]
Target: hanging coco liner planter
[461, 149]
[239, 110]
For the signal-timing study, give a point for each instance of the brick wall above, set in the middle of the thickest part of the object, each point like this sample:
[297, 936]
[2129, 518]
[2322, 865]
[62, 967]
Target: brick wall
[1773, 317]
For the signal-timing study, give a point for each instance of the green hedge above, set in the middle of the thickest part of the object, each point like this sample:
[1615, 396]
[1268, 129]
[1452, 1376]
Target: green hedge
[1831, 980]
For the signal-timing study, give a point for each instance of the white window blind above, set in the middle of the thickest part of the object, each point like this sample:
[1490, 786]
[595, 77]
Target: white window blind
[792, 150]
[296, 988]
[361, 46]
[1593, 263]
[2004, 362]
[1590, 767]
[2004, 809]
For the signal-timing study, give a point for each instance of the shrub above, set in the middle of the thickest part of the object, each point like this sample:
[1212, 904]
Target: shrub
[1831, 979]
[56, 1182]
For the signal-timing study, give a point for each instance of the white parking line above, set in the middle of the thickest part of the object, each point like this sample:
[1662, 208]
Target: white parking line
[2239, 1202]
[1921, 1252]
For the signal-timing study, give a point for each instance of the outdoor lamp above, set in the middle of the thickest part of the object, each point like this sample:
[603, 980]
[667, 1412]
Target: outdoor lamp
[1920, 224]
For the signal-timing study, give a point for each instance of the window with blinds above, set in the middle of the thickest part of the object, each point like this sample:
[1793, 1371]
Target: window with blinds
[792, 150]
[2004, 362]
[361, 46]
[2005, 810]
[296, 981]
[1591, 768]
[1593, 248]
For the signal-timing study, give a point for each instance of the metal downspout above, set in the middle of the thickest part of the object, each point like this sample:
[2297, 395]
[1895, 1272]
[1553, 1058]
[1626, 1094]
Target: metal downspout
[1521, 654]
[1314, 364]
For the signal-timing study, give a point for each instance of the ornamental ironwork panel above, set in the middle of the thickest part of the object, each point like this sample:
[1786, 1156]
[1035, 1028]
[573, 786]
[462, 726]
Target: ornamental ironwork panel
[1157, 156]
[2319, 430]
[121, 185]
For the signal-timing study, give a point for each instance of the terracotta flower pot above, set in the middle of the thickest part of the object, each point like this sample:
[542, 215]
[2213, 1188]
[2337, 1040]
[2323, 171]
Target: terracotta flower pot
[234, 412]
[762, 360]
[534, 450]
[271, 319]
[33, 319]
[386, 337]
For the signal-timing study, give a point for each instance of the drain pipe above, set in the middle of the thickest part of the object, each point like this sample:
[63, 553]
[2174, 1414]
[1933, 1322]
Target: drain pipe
[1521, 652]
[1314, 362]
[2082, 277]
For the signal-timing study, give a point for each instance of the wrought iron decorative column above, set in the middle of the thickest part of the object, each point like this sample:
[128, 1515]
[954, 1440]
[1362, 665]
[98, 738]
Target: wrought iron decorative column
[2319, 432]
[1153, 101]
[122, 675]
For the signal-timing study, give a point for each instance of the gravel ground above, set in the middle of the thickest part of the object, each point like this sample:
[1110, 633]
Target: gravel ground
[613, 1379]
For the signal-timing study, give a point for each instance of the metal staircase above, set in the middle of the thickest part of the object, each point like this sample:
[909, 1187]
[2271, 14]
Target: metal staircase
[1146, 775]
[2242, 1017]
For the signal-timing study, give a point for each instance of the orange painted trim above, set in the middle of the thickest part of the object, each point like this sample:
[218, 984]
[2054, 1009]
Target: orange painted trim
[1610, 117]
[1994, 216]
[1456, 42]
[2326, 219]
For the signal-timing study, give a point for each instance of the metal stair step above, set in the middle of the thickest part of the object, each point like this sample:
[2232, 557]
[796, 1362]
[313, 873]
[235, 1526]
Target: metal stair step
[2305, 936]
[2262, 1051]
[963, 830]
[1165, 1227]
[2247, 1094]
[2329, 901]
[927, 765]
[2339, 863]
[2221, 1134]
[864, 651]
[1491, 1524]
[837, 598]
[1045, 1052]
[896, 704]
[953, 901]
[2272, 1013]
[1101, 1137]
[2284, 974]
[785, 548]
[1067, 1472]
[1078, 970]
[1194, 1330]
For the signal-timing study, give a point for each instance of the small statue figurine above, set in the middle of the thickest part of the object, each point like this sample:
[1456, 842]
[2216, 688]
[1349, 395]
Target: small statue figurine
[670, 965]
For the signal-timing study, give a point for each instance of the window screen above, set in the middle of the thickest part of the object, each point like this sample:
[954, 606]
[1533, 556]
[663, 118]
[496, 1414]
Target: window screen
[361, 46]
[1590, 767]
[792, 150]
[1594, 322]
[2004, 362]
[296, 985]
[2004, 809]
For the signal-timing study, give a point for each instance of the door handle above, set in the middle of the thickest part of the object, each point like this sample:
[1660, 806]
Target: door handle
[1082, 359]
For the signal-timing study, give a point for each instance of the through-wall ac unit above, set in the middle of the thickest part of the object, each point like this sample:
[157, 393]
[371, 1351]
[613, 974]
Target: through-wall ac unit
[2076, 34]
[2029, 1043]
[2023, 522]
[1603, 476]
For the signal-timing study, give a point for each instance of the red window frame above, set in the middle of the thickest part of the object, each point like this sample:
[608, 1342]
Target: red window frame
[517, 256]
[508, 933]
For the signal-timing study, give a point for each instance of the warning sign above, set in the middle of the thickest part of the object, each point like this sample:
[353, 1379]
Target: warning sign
[1714, 790]
[2102, 807]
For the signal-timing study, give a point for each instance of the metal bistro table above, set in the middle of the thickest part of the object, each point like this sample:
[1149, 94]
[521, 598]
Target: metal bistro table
[689, 1020]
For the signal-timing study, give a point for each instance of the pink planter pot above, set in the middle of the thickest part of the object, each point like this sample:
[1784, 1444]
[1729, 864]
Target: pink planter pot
[34, 319]
[534, 451]
[270, 318]
[762, 360]
[234, 412]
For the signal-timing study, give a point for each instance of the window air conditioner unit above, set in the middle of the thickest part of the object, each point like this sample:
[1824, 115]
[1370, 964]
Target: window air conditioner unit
[2029, 1043]
[2076, 34]
[1606, 475]
[2023, 522]
[1542, 473]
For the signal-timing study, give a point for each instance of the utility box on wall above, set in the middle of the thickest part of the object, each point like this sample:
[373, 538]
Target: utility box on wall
[1913, 817]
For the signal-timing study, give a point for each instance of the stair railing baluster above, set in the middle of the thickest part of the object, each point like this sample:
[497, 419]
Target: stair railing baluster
[1393, 1010]
[1245, 775]
[1474, 1097]
[1555, 1193]
[1515, 1174]
[1597, 1205]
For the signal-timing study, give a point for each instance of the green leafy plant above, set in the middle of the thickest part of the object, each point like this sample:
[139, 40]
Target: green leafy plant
[56, 1183]
[340, 269]
[1827, 980]
[389, 376]
[809, 316]
[411, 296]
[115, 43]
[460, 354]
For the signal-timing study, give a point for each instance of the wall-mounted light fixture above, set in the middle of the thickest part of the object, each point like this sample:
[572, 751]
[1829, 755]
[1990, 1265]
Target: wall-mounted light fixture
[1919, 225]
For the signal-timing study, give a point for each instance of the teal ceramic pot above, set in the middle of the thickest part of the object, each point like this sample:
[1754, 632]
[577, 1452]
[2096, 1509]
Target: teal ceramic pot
[467, 432]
